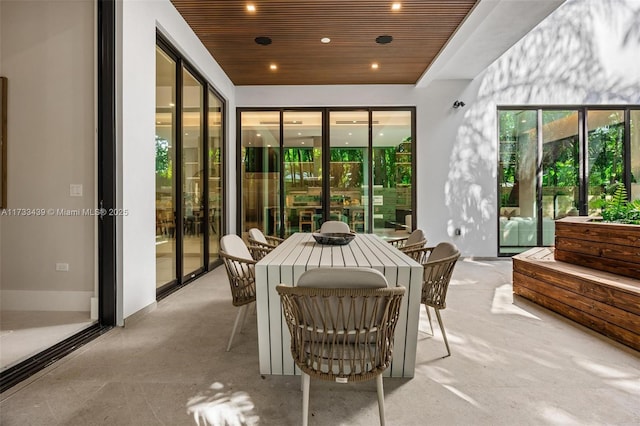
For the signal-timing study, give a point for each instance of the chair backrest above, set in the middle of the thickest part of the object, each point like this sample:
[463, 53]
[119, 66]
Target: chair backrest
[437, 274]
[415, 237]
[341, 332]
[334, 226]
[442, 251]
[240, 269]
[234, 246]
[257, 235]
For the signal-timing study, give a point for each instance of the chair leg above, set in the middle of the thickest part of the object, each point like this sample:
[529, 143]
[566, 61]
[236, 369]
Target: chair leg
[305, 399]
[244, 316]
[429, 316]
[380, 398]
[235, 325]
[444, 335]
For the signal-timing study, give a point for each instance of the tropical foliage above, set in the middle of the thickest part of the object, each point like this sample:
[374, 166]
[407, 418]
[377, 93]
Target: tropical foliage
[618, 209]
[163, 162]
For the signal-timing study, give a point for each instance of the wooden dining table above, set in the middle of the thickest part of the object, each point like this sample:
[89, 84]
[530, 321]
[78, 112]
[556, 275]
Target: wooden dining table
[301, 252]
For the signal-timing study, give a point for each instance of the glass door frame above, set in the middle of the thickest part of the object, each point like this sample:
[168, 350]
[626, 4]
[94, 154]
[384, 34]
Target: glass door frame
[583, 156]
[326, 158]
[207, 88]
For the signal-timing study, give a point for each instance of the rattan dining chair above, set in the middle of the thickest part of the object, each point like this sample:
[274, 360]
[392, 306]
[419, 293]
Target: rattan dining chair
[258, 240]
[342, 323]
[438, 263]
[414, 240]
[240, 268]
[334, 226]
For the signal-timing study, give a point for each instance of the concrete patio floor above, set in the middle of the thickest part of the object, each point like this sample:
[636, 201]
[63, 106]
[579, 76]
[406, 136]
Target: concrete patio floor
[512, 363]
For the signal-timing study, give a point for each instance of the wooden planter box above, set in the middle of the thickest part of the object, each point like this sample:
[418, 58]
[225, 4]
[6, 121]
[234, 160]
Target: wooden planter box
[609, 247]
[604, 302]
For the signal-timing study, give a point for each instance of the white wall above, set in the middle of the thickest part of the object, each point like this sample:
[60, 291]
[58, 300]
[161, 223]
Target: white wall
[139, 20]
[47, 51]
[586, 52]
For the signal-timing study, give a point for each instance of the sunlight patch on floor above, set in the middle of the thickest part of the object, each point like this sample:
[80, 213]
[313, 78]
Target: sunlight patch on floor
[217, 407]
[612, 376]
[557, 416]
[462, 395]
[503, 303]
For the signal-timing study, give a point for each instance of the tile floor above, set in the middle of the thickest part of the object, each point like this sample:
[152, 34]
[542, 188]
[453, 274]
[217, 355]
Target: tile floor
[513, 363]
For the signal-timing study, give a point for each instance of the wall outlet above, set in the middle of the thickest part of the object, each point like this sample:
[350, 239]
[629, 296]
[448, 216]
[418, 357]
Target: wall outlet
[75, 190]
[62, 267]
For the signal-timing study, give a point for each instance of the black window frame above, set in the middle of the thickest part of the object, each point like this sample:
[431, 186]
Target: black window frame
[326, 110]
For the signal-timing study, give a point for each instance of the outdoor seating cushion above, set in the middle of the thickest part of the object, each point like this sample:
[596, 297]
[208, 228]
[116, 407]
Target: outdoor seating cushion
[343, 278]
[234, 246]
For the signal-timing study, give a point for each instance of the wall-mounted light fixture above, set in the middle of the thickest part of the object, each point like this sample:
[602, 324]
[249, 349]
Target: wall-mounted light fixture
[458, 104]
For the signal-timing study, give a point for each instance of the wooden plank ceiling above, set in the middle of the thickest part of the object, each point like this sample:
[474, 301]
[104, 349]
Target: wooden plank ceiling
[420, 29]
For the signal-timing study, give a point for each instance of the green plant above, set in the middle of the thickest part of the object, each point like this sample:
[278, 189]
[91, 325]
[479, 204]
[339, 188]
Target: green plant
[619, 210]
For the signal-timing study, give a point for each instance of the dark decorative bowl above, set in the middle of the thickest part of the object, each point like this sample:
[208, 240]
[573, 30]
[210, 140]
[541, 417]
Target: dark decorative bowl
[334, 239]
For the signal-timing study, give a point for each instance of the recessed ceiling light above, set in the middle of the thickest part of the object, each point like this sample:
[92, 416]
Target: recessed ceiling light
[268, 146]
[172, 104]
[258, 134]
[346, 143]
[325, 40]
[350, 134]
[263, 41]
[302, 142]
[273, 66]
[251, 7]
[396, 6]
[374, 66]
[299, 134]
[381, 134]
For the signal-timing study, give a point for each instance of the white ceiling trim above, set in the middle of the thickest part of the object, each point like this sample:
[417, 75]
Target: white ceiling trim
[492, 27]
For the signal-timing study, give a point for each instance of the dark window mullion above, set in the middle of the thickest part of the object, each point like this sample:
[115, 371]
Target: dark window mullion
[371, 170]
[326, 165]
[539, 174]
[281, 198]
[204, 207]
[178, 178]
[584, 162]
[627, 151]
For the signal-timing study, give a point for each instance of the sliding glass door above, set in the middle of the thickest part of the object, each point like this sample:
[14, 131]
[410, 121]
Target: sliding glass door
[605, 159]
[634, 153]
[165, 140]
[189, 171]
[392, 168]
[260, 170]
[302, 176]
[351, 165]
[560, 170]
[192, 175]
[349, 168]
[560, 162]
[214, 156]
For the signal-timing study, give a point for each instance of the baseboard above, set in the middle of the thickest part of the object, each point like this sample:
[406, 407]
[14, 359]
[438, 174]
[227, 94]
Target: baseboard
[42, 300]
